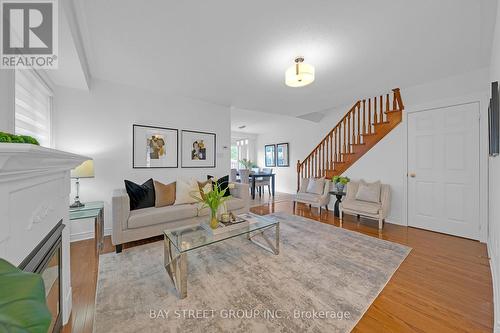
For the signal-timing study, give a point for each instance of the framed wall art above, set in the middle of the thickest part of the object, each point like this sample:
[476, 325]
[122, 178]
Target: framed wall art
[282, 157]
[198, 149]
[270, 155]
[154, 147]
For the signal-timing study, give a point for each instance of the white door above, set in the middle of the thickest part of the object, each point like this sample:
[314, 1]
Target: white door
[443, 170]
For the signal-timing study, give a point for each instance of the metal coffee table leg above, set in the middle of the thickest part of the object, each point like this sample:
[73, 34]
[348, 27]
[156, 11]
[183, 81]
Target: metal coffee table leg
[176, 265]
[273, 248]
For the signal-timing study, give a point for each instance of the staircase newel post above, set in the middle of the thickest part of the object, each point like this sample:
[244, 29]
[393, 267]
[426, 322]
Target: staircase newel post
[397, 96]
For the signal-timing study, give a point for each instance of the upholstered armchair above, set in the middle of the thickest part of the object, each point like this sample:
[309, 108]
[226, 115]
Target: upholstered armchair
[319, 200]
[376, 209]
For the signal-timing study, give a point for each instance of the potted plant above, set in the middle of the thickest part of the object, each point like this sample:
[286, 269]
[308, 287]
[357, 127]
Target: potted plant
[212, 200]
[12, 138]
[340, 182]
[22, 301]
[248, 164]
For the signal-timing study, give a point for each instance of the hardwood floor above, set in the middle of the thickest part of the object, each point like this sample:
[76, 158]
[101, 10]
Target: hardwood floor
[444, 285]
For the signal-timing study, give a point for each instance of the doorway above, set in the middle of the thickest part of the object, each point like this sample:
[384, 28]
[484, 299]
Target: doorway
[443, 170]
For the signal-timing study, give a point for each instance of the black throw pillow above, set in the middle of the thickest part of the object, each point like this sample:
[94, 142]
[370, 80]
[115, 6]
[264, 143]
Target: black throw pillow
[223, 184]
[141, 196]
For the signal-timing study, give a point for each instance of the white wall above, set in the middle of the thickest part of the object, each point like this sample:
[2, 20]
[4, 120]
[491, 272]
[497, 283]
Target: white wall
[302, 136]
[99, 124]
[386, 161]
[494, 190]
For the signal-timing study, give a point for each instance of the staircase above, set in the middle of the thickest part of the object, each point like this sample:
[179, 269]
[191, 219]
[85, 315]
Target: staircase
[365, 124]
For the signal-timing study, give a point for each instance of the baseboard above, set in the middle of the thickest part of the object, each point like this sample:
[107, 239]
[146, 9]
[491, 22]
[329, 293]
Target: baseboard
[496, 288]
[394, 221]
[87, 235]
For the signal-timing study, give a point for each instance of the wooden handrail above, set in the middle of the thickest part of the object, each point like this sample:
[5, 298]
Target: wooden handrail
[349, 131]
[338, 125]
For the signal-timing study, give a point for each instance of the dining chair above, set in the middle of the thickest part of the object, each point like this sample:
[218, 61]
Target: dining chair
[264, 181]
[245, 176]
[233, 176]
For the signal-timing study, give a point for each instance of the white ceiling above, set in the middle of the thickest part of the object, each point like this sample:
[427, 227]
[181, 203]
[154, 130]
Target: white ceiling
[236, 53]
[71, 68]
[69, 72]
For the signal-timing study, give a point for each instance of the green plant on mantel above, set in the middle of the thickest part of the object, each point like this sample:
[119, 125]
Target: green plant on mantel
[340, 179]
[248, 164]
[12, 138]
[22, 301]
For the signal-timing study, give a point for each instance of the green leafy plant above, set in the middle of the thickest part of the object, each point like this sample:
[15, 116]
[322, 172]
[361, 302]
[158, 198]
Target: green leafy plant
[248, 164]
[341, 180]
[12, 138]
[22, 301]
[212, 200]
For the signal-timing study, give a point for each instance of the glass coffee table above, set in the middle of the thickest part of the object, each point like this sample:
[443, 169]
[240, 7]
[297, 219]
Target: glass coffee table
[179, 241]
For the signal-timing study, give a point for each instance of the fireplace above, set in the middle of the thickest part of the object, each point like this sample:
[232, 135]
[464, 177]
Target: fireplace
[46, 260]
[34, 196]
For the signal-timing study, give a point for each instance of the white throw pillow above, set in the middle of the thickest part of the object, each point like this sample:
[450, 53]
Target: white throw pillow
[184, 191]
[315, 186]
[303, 185]
[368, 191]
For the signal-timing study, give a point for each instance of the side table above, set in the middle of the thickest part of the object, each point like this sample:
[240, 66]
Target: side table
[92, 210]
[339, 196]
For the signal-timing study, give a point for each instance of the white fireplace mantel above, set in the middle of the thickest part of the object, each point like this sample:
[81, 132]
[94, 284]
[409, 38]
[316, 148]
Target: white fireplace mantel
[19, 158]
[34, 197]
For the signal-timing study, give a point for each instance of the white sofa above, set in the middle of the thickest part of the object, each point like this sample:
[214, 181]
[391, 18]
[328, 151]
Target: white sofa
[376, 210]
[143, 223]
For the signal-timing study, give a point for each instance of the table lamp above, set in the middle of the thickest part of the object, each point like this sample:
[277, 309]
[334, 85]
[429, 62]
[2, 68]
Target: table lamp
[84, 170]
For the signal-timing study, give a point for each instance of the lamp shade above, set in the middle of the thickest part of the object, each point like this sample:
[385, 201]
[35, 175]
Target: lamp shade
[84, 170]
[299, 75]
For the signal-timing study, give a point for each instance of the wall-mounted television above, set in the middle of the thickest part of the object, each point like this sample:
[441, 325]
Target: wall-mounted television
[493, 120]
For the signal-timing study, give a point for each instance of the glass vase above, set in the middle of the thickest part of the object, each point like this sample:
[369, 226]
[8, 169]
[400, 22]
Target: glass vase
[213, 220]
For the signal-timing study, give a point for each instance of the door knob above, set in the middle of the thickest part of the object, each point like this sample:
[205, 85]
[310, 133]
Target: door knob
[412, 174]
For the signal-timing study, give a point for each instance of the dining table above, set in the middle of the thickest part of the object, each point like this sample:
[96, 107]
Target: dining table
[254, 175]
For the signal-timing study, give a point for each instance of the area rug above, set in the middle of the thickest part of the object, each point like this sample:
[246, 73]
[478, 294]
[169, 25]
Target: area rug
[323, 280]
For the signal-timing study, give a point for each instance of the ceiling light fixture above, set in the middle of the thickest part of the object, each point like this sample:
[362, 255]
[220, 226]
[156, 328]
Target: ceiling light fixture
[300, 74]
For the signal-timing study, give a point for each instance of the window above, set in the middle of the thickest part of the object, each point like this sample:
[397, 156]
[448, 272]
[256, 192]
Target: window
[239, 152]
[234, 157]
[33, 107]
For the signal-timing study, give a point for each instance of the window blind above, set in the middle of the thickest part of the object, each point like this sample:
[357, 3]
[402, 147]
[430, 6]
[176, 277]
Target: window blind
[33, 107]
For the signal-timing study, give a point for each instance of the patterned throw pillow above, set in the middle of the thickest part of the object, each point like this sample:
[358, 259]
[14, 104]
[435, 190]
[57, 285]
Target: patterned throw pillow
[205, 187]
